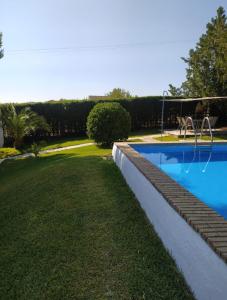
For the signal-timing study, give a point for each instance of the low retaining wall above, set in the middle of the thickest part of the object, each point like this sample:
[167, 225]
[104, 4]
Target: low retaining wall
[204, 270]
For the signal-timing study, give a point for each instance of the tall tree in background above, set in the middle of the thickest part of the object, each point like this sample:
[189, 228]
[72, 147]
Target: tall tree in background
[206, 74]
[118, 93]
[1, 50]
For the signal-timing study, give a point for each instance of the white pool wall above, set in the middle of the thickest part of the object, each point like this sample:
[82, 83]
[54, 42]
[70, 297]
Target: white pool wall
[204, 271]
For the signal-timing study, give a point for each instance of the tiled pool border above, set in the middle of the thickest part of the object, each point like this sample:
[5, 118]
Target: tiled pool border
[209, 224]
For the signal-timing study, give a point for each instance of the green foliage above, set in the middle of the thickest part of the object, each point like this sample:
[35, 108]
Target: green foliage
[206, 74]
[108, 122]
[7, 152]
[174, 91]
[17, 125]
[118, 93]
[69, 117]
[1, 50]
[37, 147]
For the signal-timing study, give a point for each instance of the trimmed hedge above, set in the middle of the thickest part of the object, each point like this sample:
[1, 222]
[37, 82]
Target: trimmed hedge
[69, 117]
[108, 123]
[7, 152]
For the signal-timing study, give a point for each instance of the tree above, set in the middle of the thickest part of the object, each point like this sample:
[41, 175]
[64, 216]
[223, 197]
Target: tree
[1, 50]
[108, 122]
[206, 74]
[118, 93]
[174, 91]
[17, 125]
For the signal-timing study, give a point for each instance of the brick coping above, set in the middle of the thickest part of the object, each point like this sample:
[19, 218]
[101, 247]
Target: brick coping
[209, 224]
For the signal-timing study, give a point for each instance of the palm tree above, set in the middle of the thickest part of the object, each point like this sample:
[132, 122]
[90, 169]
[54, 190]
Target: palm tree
[18, 125]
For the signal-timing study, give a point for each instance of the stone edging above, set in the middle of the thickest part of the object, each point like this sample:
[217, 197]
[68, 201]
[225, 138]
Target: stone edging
[208, 223]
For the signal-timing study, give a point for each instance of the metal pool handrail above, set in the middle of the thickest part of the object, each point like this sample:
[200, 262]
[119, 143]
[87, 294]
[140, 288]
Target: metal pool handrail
[193, 127]
[209, 126]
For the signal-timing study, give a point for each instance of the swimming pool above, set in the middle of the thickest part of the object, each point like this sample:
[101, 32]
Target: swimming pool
[163, 179]
[201, 170]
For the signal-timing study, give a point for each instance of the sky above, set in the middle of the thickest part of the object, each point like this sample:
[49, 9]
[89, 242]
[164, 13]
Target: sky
[71, 49]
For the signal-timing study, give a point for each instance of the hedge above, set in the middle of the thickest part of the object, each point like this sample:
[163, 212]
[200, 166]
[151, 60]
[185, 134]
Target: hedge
[7, 152]
[68, 117]
[108, 123]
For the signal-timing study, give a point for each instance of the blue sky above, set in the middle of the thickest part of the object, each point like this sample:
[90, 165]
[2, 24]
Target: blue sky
[74, 48]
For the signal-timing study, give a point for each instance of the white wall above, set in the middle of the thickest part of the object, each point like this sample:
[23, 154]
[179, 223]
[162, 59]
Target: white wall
[204, 271]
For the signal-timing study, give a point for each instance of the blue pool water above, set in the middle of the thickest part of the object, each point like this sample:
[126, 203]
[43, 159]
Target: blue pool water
[201, 170]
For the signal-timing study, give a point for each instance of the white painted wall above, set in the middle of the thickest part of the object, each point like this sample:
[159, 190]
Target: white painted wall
[204, 271]
[1, 133]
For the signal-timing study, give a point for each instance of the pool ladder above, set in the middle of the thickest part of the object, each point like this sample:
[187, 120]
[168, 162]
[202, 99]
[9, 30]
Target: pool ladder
[189, 121]
[206, 119]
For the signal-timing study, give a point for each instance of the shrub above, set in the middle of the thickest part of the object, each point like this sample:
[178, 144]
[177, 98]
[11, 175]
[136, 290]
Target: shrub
[19, 124]
[7, 152]
[37, 147]
[108, 122]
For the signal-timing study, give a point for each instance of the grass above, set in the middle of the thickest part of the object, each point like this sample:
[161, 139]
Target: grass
[65, 142]
[7, 152]
[144, 132]
[172, 138]
[216, 138]
[135, 140]
[72, 229]
[167, 138]
[53, 144]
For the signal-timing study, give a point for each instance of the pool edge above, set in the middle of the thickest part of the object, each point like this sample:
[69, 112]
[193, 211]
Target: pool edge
[206, 224]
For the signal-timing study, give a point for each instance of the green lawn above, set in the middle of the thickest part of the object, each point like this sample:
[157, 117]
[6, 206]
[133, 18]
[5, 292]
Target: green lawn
[216, 138]
[172, 138]
[71, 229]
[135, 140]
[65, 142]
[144, 132]
[167, 138]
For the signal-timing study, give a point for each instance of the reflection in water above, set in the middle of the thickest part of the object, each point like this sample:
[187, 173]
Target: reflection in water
[199, 155]
[204, 169]
[194, 156]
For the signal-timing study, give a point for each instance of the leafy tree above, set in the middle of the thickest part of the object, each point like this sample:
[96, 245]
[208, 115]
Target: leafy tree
[174, 91]
[206, 74]
[108, 122]
[17, 125]
[1, 50]
[118, 93]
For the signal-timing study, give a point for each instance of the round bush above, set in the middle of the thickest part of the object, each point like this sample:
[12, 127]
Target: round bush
[108, 123]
